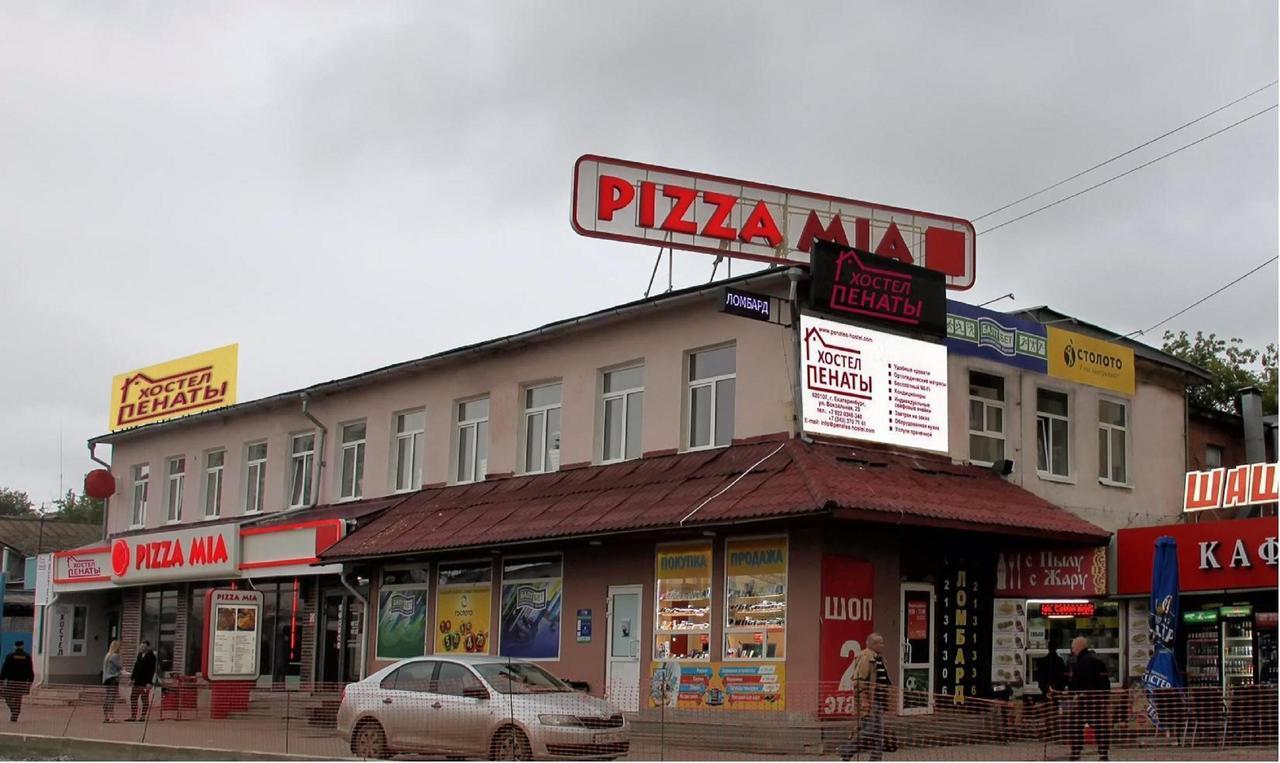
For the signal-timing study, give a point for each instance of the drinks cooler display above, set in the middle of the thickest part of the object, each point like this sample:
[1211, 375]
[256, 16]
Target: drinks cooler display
[1229, 647]
[1237, 645]
[1204, 657]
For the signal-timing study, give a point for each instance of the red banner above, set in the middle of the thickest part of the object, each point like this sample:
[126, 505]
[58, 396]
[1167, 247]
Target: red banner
[1212, 556]
[848, 587]
[1069, 573]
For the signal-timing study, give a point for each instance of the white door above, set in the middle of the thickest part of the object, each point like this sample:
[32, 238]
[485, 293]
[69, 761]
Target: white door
[915, 663]
[622, 666]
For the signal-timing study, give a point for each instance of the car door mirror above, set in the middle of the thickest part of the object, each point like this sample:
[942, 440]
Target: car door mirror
[475, 692]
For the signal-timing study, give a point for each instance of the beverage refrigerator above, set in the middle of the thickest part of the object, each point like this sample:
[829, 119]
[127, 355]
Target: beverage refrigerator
[1238, 653]
[1204, 648]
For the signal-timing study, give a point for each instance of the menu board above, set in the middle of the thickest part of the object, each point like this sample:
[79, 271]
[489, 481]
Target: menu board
[1140, 647]
[235, 620]
[1009, 643]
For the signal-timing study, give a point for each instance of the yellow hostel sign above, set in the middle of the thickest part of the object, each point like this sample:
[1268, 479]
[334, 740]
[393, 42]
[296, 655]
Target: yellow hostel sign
[196, 383]
[1087, 360]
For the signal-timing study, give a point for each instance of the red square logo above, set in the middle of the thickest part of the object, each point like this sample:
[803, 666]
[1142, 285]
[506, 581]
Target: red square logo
[944, 251]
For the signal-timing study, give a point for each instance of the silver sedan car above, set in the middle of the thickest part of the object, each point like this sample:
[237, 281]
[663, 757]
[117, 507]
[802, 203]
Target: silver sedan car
[477, 706]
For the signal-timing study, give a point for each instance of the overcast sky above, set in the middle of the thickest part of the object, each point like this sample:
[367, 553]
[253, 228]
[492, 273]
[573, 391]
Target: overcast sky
[341, 186]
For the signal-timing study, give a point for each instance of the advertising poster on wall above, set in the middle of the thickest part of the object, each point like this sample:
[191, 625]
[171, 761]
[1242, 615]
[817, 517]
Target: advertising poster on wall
[848, 589]
[402, 623]
[1009, 641]
[462, 619]
[531, 619]
[718, 685]
[868, 385]
[234, 620]
[964, 608]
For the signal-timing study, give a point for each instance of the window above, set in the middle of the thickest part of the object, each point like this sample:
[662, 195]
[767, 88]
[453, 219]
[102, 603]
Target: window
[160, 624]
[1052, 449]
[1103, 629]
[1212, 456]
[303, 454]
[986, 418]
[711, 392]
[542, 428]
[255, 470]
[683, 614]
[414, 676]
[177, 481]
[464, 594]
[755, 601]
[402, 612]
[454, 680]
[352, 476]
[623, 413]
[141, 480]
[213, 463]
[280, 648]
[410, 427]
[79, 626]
[473, 440]
[1112, 441]
[530, 607]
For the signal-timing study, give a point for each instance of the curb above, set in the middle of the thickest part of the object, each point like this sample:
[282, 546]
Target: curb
[42, 747]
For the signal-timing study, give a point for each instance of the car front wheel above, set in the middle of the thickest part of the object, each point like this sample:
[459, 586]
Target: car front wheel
[369, 741]
[510, 744]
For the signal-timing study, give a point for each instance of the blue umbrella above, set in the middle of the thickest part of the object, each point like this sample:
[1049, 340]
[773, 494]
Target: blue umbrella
[1162, 670]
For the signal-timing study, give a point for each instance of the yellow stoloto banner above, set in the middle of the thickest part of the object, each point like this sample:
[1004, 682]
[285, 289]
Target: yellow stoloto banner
[196, 383]
[1087, 360]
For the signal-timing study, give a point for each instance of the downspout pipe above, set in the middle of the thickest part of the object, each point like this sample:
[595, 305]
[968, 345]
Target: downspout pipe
[324, 431]
[364, 632]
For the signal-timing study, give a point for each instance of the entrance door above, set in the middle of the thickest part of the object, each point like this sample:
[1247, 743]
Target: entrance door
[915, 671]
[341, 638]
[622, 667]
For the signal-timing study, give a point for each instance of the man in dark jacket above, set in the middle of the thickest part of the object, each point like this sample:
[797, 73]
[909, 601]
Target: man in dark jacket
[1090, 686]
[15, 679]
[142, 677]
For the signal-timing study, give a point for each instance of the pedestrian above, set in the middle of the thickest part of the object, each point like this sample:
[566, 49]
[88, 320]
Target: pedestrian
[142, 677]
[1051, 676]
[1089, 685]
[871, 688]
[111, 669]
[15, 678]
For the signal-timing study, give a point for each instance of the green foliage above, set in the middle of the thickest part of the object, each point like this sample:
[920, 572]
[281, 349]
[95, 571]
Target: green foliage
[14, 503]
[1233, 366]
[79, 508]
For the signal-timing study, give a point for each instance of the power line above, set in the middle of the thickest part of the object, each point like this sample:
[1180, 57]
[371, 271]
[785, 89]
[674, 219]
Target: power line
[1126, 153]
[1128, 172]
[1203, 299]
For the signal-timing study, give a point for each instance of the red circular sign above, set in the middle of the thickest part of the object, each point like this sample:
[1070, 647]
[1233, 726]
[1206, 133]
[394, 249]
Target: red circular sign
[120, 557]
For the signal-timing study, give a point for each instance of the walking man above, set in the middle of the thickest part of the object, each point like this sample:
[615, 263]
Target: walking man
[1089, 685]
[870, 700]
[142, 676]
[15, 679]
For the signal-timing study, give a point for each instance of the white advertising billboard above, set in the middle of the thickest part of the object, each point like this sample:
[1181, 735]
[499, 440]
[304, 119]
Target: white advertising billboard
[861, 384]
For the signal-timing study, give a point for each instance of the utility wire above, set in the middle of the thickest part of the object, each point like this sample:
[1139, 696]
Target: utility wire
[1203, 299]
[1126, 153]
[1128, 172]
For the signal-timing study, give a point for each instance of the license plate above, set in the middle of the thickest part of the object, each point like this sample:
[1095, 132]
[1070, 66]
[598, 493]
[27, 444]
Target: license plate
[611, 738]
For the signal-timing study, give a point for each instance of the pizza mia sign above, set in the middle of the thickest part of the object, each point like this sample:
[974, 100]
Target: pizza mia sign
[193, 553]
[660, 206]
[1227, 488]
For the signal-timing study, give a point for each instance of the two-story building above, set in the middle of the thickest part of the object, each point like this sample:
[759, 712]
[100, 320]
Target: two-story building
[627, 495]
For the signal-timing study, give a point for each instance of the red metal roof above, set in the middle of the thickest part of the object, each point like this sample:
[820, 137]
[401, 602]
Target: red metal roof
[752, 481]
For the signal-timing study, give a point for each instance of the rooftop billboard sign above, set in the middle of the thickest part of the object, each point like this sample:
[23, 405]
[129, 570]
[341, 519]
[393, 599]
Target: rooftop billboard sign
[193, 384]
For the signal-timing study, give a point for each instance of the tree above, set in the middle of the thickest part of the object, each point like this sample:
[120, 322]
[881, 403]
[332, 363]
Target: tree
[14, 503]
[1232, 365]
[79, 508]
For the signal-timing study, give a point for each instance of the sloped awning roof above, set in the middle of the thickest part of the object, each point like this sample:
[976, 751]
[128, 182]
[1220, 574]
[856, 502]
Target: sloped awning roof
[745, 482]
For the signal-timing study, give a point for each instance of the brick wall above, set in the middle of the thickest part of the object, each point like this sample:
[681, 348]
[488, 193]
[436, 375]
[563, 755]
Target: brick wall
[130, 625]
[308, 615]
[180, 645]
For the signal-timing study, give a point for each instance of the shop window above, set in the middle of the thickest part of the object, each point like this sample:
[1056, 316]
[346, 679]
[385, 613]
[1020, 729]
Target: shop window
[712, 379]
[402, 613]
[542, 428]
[1212, 456]
[174, 488]
[986, 418]
[196, 635]
[160, 624]
[352, 476]
[623, 413]
[464, 606]
[755, 623]
[683, 616]
[255, 477]
[1052, 425]
[410, 428]
[531, 600]
[1113, 437]
[280, 633]
[141, 482]
[213, 464]
[1045, 628]
[473, 440]
[302, 456]
[79, 627]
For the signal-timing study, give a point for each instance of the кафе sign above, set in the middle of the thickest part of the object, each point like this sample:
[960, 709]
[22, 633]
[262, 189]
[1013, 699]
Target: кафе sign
[1212, 556]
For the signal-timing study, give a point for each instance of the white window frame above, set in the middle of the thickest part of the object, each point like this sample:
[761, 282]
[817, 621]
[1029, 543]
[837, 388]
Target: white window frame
[1049, 474]
[526, 419]
[359, 447]
[692, 385]
[474, 425]
[987, 403]
[216, 473]
[625, 396]
[309, 460]
[415, 438]
[173, 492]
[1109, 429]
[141, 474]
[255, 471]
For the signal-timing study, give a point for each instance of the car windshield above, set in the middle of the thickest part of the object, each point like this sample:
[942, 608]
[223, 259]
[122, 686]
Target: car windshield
[520, 678]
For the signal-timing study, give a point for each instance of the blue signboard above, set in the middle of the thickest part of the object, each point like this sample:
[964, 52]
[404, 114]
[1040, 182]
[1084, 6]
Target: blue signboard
[996, 336]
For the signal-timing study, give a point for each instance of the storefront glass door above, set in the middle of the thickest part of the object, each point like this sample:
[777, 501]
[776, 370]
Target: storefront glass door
[341, 638]
[915, 663]
[622, 671]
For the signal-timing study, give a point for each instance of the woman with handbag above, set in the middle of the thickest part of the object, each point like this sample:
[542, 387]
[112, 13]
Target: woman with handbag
[110, 680]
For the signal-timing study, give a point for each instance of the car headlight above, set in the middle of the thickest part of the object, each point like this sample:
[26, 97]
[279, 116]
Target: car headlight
[559, 720]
